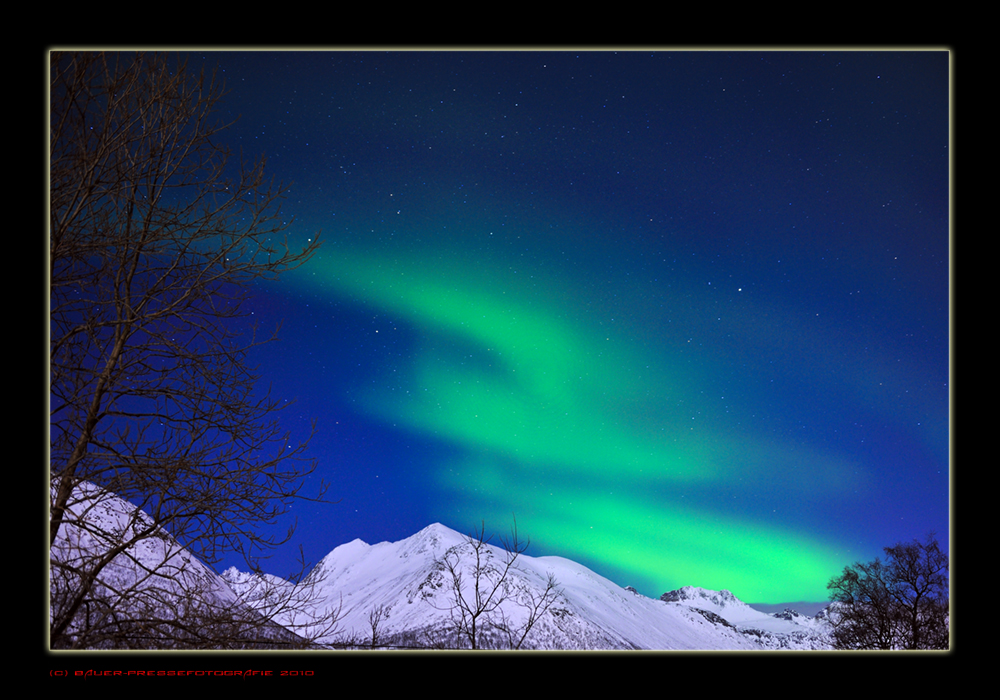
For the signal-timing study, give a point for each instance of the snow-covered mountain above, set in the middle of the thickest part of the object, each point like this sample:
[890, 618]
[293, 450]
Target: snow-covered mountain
[437, 588]
[147, 591]
[408, 588]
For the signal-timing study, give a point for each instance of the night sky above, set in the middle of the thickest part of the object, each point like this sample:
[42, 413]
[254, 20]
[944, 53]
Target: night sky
[683, 314]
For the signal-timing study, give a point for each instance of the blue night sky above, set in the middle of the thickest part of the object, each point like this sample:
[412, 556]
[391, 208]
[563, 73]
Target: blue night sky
[684, 314]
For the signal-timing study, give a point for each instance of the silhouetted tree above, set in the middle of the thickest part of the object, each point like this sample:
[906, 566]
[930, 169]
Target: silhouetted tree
[156, 237]
[901, 603]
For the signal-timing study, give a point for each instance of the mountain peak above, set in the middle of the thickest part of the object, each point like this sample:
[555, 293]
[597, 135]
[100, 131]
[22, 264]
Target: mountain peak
[694, 593]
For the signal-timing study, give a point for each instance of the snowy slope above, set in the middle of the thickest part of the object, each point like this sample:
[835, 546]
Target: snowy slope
[149, 591]
[97, 522]
[783, 630]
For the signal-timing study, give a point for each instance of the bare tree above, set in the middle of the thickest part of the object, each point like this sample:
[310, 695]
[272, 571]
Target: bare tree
[901, 603]
[490, 606]
[156, 239]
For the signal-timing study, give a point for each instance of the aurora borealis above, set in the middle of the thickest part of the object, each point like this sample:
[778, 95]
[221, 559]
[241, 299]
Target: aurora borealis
[683, 314]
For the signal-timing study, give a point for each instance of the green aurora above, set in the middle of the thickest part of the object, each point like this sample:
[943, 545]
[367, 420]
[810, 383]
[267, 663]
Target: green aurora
[579, 428]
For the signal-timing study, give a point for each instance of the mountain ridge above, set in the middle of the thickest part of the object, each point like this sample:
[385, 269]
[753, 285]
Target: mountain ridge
[407, 583]
[437, 588]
